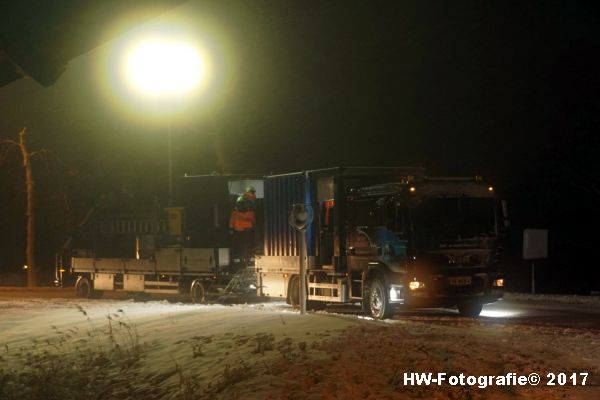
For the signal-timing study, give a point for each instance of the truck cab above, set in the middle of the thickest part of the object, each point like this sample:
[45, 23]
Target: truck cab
[441, 234]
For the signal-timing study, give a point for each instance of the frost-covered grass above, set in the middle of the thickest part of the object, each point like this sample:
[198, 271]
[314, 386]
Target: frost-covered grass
[110, 356]
[103, 362]
[158, 350]
[73, 363]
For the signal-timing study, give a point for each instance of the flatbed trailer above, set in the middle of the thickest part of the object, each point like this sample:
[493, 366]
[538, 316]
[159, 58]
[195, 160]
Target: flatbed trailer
[172, 271]
[183, 249]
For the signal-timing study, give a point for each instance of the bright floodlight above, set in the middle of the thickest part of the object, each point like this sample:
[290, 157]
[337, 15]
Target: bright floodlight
[162, 67]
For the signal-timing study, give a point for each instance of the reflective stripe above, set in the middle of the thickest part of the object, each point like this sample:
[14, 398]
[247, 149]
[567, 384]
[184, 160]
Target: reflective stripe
[242, 220]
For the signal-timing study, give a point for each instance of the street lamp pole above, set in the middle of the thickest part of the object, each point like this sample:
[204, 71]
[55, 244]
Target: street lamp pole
[165, 68]
[170, 156]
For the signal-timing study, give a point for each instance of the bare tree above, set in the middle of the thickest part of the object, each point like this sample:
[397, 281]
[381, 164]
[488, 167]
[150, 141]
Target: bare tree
[26, 156]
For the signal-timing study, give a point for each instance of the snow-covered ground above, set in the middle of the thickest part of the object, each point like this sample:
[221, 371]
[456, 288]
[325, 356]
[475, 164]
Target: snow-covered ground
[121, 349]
[554, 298]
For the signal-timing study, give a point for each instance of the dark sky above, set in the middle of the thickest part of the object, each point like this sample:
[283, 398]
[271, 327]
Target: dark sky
[503, 89]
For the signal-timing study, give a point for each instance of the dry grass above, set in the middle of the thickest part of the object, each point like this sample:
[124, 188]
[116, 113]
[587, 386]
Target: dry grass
[105, 362]
[75, 364]
[365, 361]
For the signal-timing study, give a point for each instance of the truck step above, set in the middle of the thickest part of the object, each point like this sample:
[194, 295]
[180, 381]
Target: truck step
[324, 285]
[333, 299]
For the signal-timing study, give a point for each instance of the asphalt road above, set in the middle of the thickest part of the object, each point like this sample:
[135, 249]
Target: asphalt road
[518, 312]
[545, 313]
[509, 311]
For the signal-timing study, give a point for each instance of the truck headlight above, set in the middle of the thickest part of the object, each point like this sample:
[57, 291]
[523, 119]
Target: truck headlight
[498, 282]
[414, 285]
[396, 293]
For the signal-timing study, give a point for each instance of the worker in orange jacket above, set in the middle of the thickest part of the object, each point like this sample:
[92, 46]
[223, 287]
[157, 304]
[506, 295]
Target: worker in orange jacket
[242, 221]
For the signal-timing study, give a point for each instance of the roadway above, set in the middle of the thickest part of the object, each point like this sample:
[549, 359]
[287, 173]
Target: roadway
[550, 311]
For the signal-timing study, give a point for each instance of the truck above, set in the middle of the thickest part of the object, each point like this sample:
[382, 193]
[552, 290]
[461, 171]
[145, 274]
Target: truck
[384, 238]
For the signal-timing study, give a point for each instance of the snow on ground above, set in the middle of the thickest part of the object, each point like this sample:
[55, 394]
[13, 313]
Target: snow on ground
[121, 349]
[202, 341]
[554, 298]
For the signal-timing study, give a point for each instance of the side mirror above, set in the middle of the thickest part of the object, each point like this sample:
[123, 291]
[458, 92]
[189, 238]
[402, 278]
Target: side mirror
[300, 216]
[385, 250]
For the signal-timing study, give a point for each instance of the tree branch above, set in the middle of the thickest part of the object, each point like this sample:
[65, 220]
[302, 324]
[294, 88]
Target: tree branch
[8, 141]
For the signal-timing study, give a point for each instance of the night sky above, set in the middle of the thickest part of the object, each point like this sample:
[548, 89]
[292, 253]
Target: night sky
[507, 90]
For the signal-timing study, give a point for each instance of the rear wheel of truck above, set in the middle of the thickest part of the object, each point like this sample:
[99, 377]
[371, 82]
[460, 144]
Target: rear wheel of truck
[197, 294]
[294, 291]
[294, 296]
[470, 309]
[83, 287]
[377, 300]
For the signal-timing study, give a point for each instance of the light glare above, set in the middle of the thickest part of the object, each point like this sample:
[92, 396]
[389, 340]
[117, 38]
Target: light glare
[395, 293]
[160, 67]
[499, 313]
[414, 285]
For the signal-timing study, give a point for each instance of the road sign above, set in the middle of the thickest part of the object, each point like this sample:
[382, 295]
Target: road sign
[535, 247]
[535, 244]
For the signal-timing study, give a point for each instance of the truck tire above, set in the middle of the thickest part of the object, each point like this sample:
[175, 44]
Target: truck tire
[83, 288]
[376, 299]
[294, 291]
[197, 294]
[470, 309]
[294, 296]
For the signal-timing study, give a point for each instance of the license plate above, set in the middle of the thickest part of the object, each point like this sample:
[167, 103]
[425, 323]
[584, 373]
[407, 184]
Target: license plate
[459, 280]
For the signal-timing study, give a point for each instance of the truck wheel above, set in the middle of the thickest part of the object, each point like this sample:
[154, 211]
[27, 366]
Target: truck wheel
[470, 309]
[294, 296]
[83, 288]
[197, 292]
[377, 299]
[294, 291]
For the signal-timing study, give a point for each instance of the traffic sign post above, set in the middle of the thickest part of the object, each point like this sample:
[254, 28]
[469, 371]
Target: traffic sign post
[535, 247]
[300, 218]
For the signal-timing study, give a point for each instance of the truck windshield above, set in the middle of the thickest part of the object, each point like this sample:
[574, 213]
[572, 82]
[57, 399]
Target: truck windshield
[438, 220]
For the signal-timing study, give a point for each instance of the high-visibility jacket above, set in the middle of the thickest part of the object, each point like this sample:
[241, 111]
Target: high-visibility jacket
[242, 220]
